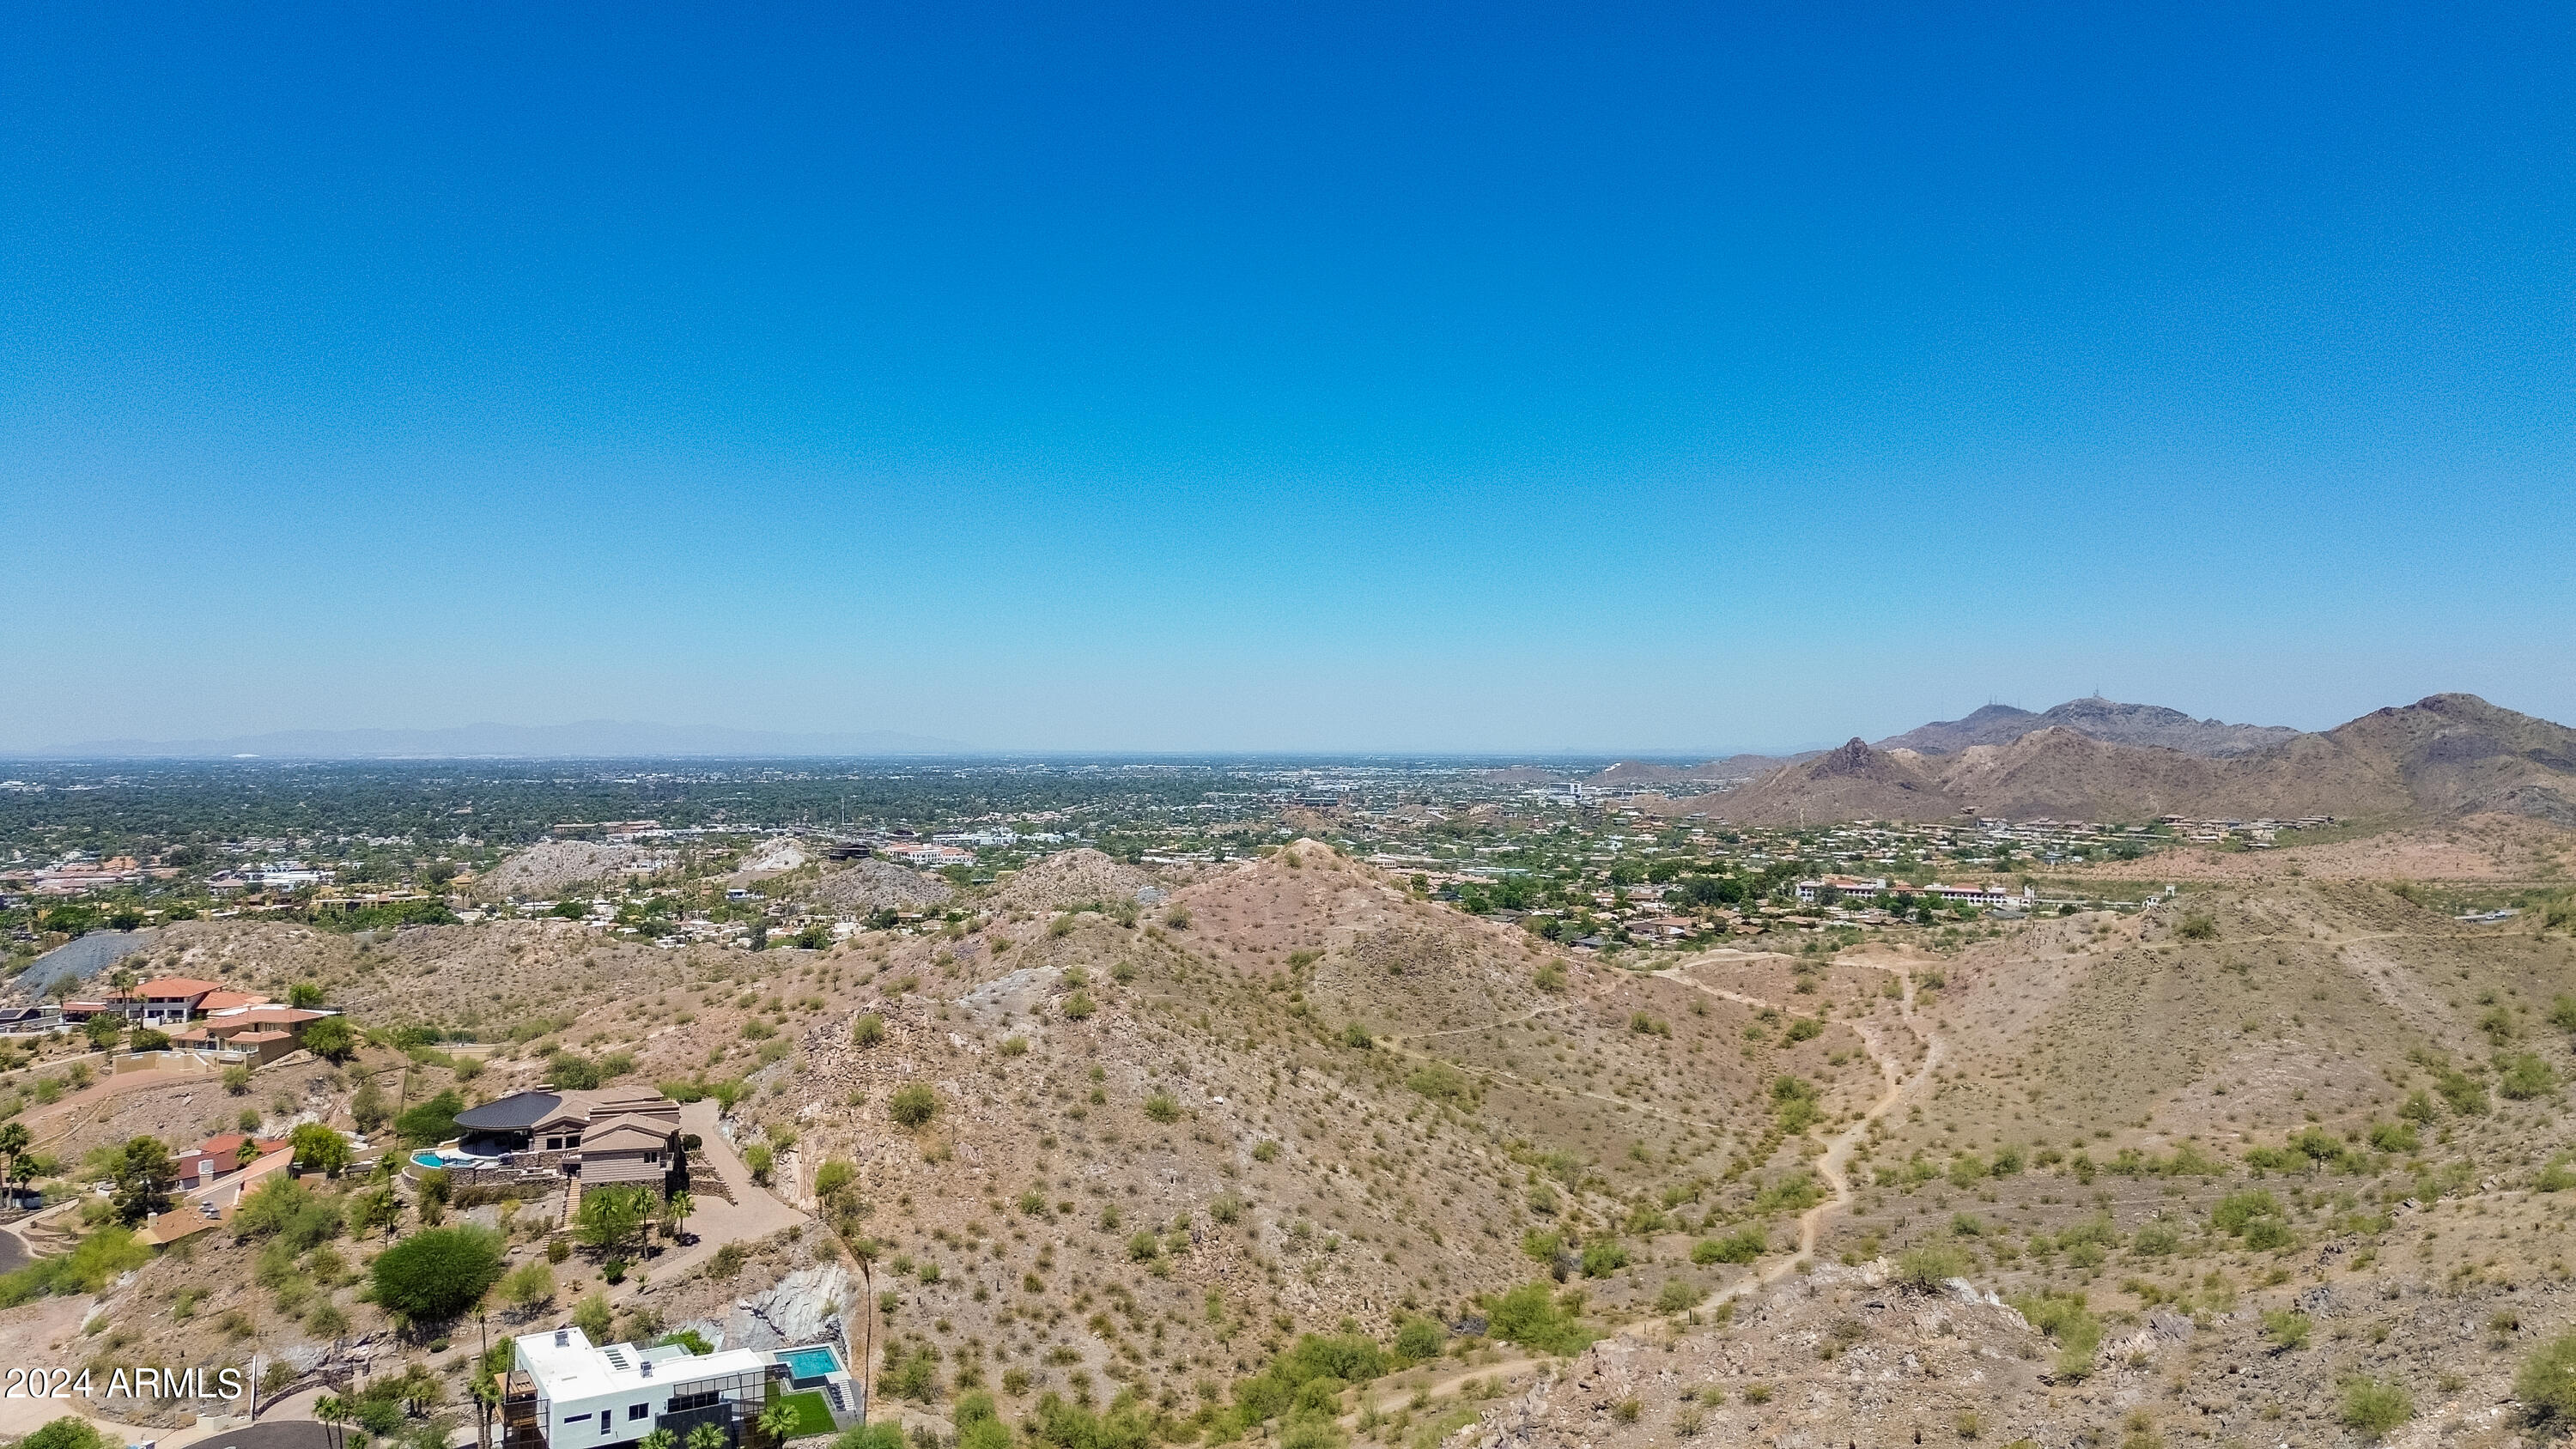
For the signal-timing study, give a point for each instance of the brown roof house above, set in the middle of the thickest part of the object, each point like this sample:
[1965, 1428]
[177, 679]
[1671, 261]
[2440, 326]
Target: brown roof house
[611, 1136]
[200, 1165]
[265, 1032]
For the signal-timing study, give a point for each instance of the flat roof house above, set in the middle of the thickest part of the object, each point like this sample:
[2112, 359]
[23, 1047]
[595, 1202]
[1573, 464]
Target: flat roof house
[563, 1393]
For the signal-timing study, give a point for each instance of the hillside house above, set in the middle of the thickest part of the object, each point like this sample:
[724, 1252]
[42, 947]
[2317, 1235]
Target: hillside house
[217, 1157]
[263, 1030]
[562, 1393]
[165, 1001]
[610, 1136]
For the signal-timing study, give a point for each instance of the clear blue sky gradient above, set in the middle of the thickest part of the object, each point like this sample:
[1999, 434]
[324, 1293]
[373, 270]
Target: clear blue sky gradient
[1297, 377]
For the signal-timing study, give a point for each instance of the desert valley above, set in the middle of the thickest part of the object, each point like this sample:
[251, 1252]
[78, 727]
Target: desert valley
[2040, 1086]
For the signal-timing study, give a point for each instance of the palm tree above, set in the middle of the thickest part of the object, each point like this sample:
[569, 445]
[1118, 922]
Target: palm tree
[421, 1389]
[333, 1410]
[487, 1397]
[863, 1252]
[676, 1212]
[659, 1439]
[15, 1139]
[707, 1436]
[778, 1421]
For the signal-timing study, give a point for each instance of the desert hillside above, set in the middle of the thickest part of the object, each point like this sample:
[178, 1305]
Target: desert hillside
[2443, 757]
[1123, 1139]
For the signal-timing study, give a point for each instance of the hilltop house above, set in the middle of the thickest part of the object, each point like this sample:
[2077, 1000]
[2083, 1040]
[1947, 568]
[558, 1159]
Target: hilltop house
[202, 1016]
[609, 1136]
[266, 1032]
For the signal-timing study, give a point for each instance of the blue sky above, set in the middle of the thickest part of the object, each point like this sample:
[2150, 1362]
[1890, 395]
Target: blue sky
[1431, 377]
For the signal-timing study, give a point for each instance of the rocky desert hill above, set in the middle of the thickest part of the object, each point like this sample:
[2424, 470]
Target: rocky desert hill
[869, 884]
[2094, 718]
[2279, 1161]
[2444, 756]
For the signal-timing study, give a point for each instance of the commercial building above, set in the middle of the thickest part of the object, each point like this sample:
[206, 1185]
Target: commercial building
[1981, 893]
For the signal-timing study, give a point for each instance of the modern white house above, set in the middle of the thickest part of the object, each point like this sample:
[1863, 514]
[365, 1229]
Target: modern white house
[562, 1392]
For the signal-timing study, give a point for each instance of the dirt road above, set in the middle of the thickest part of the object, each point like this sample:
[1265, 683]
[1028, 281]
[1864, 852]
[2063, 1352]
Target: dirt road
[1834, 1165]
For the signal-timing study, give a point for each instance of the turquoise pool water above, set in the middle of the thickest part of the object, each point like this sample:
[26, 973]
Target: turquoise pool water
[427, 1159]
[811, 1363]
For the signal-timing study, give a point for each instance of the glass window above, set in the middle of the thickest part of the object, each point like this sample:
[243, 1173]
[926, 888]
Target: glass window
[638, 1411]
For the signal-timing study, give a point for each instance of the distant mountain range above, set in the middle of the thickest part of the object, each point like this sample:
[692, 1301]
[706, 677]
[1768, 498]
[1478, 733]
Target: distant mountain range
[2096, 718]
[588, 739]
[2443, 756]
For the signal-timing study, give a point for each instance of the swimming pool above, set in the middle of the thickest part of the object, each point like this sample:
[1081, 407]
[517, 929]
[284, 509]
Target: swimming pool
[441, 1157]
[427, 1159]
[811, 1363]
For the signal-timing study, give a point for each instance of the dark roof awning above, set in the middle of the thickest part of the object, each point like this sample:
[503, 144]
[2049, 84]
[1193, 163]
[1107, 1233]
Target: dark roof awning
[515, 1113]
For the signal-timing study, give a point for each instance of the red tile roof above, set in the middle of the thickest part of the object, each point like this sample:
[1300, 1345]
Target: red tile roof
[171, 986]
[261, 1016]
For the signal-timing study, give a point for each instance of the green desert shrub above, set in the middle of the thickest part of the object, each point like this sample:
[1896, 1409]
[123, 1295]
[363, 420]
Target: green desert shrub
[1930, 1266]
[1741, 1246]
[1532, 1316]
[2546, 1382]
[2287, 1328]
[438, 1273]
[1419, 1338]
[2522, 1076]
[913, 1105]
[2371, 1407]
[1603, 1256]
[2069, 1324]
[1679, 1294]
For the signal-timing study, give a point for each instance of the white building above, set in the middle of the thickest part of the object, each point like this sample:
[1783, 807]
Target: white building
[285, 875]
[1981, 893]
[562, 1392]
[931, 856]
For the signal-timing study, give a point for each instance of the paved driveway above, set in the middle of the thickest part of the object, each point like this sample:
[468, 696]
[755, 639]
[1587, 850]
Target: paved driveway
[754, 1213]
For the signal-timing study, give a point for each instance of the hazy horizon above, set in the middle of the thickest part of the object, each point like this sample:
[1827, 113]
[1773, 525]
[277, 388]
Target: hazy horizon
[137, 747]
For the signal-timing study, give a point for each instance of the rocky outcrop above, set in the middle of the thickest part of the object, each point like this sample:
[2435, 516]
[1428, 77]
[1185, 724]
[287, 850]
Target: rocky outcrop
[803, 1307]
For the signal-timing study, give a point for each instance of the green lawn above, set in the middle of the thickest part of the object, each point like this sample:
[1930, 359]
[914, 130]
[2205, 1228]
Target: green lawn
[813, 1416]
